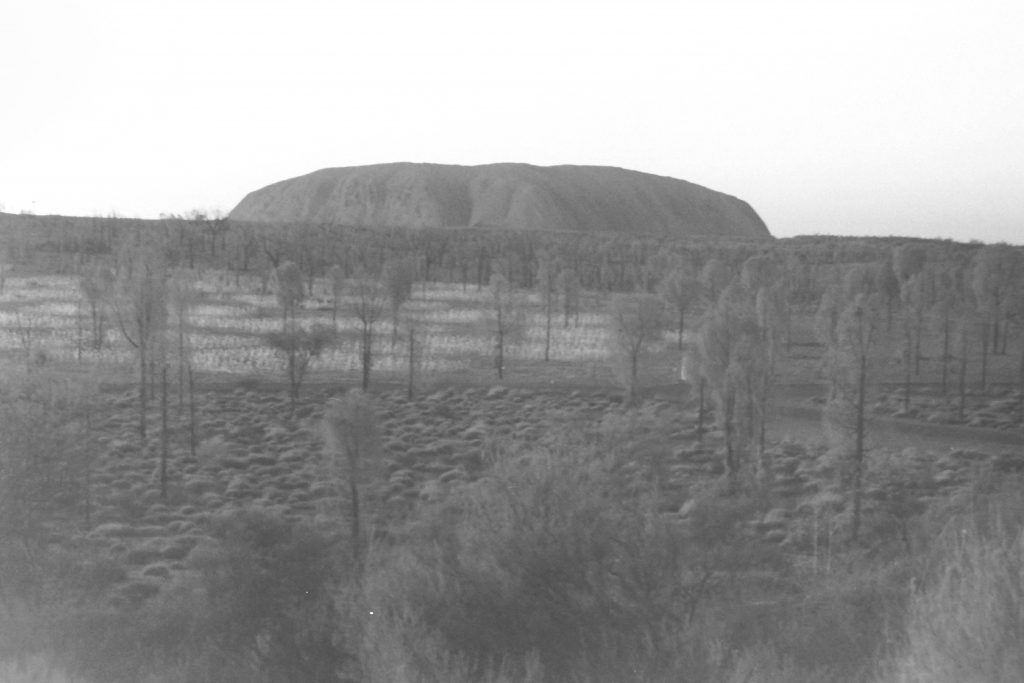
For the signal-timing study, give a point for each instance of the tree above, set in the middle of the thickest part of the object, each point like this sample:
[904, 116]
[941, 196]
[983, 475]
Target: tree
[948, 305]
[368, 301]
[764, 283]
[998, 277]
[680, 290]
[350, 424]
[398, 277]
[917, 296]
[852, 351]
[888, 287]
[336, 275]
[714, 276]
[414, 353]
[97, 286]
[908, 260]
[636, 323]
[966, 323]
[291, 290]
[507, 320]
[141, 306]
[568, 285]
[726, 342]
[182, 296]
[298, 347]
[548, 271]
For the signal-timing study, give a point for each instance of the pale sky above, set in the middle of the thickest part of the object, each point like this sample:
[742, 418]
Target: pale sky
[870, 118]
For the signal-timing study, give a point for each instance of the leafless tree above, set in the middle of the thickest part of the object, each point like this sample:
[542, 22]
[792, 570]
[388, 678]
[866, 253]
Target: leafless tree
[568, 285]
[97, 287]
[636, 325]
[368, 301]
[141, 308]
[336, 275]
[680, 289]
[507, 319]
[291, 290]
[548, 271]
[182, 297]
[398, 277]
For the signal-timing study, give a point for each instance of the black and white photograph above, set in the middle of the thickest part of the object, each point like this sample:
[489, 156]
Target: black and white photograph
[493, 341]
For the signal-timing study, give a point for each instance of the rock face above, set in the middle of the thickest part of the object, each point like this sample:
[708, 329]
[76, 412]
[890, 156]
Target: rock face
[512, 196]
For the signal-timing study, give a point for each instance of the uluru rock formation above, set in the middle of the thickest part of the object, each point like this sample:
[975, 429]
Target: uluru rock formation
[511, 196]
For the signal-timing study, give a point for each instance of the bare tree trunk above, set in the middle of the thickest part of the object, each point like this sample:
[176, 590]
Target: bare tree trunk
[983, 382]
[78, 333]
[547, 328]
[181, 368]
[164, 432]
[945, 352]
[963, 375]
[293, 378]
[499, 360]
[142, 392]
[634, 365]
[1006, 335]
[192, 441]
[906, 376]
[917, 348]
[367, 355]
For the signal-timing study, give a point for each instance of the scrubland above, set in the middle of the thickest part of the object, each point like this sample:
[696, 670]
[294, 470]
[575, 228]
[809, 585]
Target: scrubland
[540, 528]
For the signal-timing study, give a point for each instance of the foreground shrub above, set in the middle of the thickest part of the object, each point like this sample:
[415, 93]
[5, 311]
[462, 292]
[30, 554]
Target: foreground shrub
[967, 624]
[257, 605]
[544, 570]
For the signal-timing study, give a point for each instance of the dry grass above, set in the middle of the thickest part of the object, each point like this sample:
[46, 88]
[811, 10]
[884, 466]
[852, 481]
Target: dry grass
[967, 623]
[229, 322]
[35, 668]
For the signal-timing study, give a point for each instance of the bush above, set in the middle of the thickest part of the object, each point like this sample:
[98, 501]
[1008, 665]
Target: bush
[268, 586]
[256, 605]
[544, 570]
[967, 624]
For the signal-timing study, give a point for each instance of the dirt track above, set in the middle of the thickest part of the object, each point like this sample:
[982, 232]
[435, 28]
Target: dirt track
[797, 418]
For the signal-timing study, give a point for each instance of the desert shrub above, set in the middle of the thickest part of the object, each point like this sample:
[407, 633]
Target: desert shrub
[269, 588]
[45, 451]
[967, 621]
[256, 605]
[544, 569]
[842, 623]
